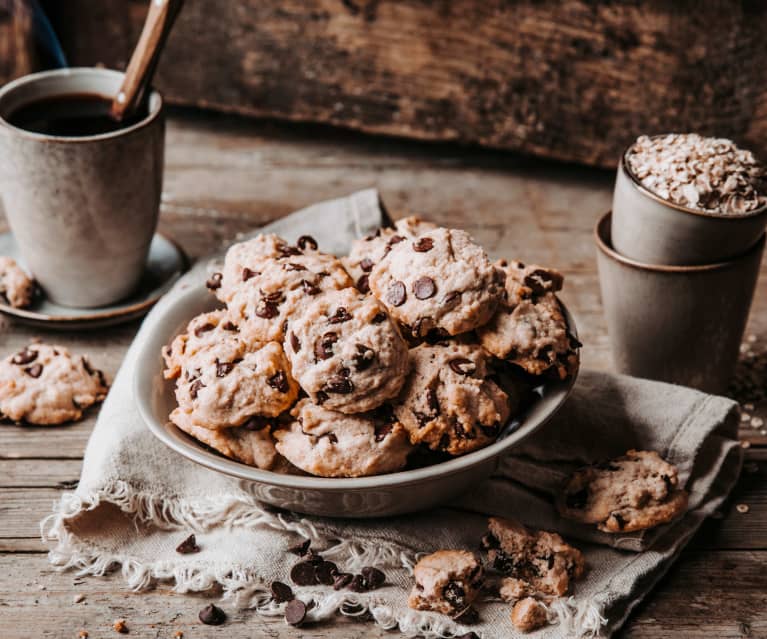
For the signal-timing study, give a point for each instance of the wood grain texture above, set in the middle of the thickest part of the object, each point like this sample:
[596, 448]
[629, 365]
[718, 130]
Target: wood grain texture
[17, 48]
[575, 80]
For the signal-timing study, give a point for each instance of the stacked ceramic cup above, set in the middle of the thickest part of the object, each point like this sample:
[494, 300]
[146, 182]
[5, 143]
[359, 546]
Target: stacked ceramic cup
[679, 257]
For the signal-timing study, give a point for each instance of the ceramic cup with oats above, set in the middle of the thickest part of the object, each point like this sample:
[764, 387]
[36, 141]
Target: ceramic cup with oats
[80, 192]
[673, 203]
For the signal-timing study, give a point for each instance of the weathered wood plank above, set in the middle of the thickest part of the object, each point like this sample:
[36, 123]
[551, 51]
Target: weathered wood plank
[37, 602]
[576, 81]
[39, 473]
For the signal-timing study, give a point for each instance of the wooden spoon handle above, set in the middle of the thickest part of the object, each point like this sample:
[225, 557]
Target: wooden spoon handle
[143, 62]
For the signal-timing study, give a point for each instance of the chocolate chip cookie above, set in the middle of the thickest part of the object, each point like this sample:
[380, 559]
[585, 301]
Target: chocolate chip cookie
[44, 384]
[533, 334]
[636, 491]
[346, 352]
[535, 562]
[224, 380]
[447, 581]
[271, 290]
[250, 443]
[440, 282]
[15, 285]
[449, 401]
[331, 444]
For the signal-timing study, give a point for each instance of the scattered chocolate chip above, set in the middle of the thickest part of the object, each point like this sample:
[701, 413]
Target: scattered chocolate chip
[342, 580]
[248, 274]
[34, 371]
[281, 592]
[256, 423]
[279, 382]
[423, 245]
[462, 366]
[467, 616]
[341, 315]
[373, 577]
[302, 574]
[309, 288]
[307, 240]
[212, 615]
[214, 281]
[397, 294]
[363, 357]
[293, 266]
[455, 595]
[424, 288]
[339, 384]
[578, 499]
[188, 546]
[363, 283]
[382, 430]
[378, 318]
[323, 348]
[27, 357]
[326, 572]
[295, 612]
[294, 342]
[223, 368]
[267, 310]
[195, 388]
[366, 264]
[357, 584]
[199, 330]
[301, 549]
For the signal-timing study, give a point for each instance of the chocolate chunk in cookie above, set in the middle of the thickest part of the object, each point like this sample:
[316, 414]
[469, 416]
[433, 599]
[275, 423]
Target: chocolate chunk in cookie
[536, 562]
[528, 281]
[636, 491]
[447, 581]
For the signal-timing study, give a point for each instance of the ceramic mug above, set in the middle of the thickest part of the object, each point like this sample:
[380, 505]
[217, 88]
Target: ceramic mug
[679, 324]
[647, 228]
[83, 210]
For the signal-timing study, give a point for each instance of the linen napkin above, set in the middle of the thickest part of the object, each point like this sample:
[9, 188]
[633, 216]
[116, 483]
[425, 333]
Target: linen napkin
[137, 499]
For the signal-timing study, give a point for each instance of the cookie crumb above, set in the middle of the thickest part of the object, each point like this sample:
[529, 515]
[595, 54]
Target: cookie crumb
[83, 634]
[742, 508]
[745, 444]
[78, 598]
[529, 614]
[120, 626]
[178, 634]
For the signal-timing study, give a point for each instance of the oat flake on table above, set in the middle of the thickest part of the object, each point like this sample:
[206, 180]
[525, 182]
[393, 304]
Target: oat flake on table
[708, 174]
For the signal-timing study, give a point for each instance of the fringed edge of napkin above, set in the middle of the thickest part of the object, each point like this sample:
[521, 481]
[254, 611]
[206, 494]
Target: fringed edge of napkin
[244, 587]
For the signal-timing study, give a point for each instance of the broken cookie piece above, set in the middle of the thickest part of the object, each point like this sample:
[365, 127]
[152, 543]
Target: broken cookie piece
[15, 285]
[534, 562]
[529, 614]
[636, 491]
[447, 581]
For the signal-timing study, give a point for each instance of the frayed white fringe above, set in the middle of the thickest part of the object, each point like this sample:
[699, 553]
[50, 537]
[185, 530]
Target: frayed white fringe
[246, 588]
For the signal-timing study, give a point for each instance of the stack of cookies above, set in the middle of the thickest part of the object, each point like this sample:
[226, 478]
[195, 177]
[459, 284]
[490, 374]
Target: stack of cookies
[345, 367]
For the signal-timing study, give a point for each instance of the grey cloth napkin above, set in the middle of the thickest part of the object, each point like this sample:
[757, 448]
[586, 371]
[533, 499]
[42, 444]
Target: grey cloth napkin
[137, 499]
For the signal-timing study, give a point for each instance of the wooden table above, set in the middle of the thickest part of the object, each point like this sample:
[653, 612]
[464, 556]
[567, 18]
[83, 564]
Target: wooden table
[225, 176]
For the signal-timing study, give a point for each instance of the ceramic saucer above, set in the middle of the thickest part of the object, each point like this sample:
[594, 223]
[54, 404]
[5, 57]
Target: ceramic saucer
[165, 264]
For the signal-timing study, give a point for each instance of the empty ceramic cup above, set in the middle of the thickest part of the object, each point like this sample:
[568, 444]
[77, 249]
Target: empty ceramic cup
[649, 229]
[679, 324]
[83, 208]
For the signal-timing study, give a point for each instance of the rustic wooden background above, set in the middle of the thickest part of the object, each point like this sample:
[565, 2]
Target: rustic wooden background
[17, 50]
[575, 80]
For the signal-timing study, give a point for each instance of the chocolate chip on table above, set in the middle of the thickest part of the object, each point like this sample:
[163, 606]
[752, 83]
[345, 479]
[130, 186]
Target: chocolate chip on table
[341, 315]
[26, 356]
[34, 371]
[214, 281]
[363, 283]
[323, 348]
[462, 366]
[295, 612]
[397, 294]
[424, 288]
[303, 574]
[326, 572]
[455, 595]
[467, 616]
[366, 264]
[307, 240]
[223, 368]
[373, 577]
[309, 288]
[294, 342]
[378, 318]
[301, 549]
[188, 546]
[423, 245]
[248, 274]
[358, 584]
[281, 592]
[342, 580]
[279, 382]
[339, 384]
[267, 310]
[212, 615]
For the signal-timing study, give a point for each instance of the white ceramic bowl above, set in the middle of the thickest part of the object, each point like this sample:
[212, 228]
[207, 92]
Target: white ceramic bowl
[377, 496]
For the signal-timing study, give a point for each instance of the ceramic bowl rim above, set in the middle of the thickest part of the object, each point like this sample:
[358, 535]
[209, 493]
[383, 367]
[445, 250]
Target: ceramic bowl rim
[602, 232]
[143, 380]
[643, 190]
[41, 76]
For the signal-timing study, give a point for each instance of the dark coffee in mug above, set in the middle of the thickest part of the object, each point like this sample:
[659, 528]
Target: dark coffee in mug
[72, 115]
